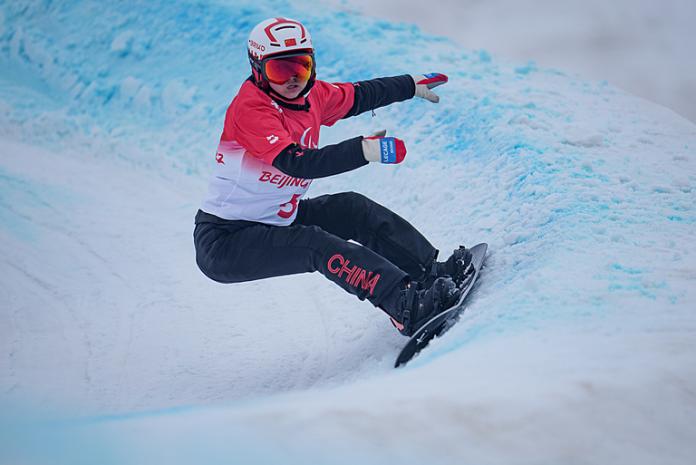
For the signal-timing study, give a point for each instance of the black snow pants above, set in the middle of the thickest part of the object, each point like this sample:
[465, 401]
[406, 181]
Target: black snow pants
[388, 251]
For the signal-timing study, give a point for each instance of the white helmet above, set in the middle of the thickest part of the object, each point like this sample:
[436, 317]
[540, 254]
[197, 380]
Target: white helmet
[275, 38]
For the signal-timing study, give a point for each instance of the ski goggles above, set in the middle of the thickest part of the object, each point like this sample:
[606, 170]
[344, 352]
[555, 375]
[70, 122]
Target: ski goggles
[280, 70]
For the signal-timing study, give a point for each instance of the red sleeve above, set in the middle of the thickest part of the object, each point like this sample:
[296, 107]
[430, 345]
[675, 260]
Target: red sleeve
[260, 131]
[335, 100]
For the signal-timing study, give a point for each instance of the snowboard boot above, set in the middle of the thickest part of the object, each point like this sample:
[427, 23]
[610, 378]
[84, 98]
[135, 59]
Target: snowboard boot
[413, 307]
[458, 267]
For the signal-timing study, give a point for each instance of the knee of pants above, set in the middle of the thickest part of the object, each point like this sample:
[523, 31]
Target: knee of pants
[204, 237]
[354, 199]
[209, 271]
[359, 206]
[211, 267]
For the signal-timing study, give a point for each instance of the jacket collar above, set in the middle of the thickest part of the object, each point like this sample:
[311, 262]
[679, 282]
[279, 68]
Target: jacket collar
[298, 104]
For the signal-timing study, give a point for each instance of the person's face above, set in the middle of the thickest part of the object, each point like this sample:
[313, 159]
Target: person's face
[289, 75]
[290, 89]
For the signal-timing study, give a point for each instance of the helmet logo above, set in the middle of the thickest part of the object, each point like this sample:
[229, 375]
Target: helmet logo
[286, 24]
[256, 45]
[290, 42]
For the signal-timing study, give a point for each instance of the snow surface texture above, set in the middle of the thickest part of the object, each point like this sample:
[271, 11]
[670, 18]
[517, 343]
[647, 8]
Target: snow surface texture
[643, 46]
[579, 344]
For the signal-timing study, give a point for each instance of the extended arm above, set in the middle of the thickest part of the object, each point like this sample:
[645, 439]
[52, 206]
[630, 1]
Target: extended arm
[380, 92]
[320, 163]
[377, 93]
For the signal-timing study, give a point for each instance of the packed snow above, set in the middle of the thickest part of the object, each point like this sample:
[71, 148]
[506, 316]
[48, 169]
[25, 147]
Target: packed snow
[578, 344]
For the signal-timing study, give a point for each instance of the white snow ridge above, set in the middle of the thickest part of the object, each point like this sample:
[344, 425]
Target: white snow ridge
[578, 345]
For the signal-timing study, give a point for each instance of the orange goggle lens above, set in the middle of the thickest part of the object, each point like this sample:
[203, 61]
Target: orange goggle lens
[281, 70]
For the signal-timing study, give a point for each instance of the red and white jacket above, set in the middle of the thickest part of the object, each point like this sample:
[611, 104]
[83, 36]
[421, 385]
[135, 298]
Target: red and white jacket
[245, 185]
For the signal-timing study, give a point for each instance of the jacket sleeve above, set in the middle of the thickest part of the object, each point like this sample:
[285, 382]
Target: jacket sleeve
[320, 163]
[380, 92]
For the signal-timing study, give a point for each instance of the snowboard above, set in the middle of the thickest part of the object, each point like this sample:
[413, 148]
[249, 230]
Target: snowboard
[441, 323]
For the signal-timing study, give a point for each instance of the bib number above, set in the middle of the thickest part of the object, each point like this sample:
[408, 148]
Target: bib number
[288, 209]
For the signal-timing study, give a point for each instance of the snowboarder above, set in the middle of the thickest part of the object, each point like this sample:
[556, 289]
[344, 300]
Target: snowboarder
[254, 224]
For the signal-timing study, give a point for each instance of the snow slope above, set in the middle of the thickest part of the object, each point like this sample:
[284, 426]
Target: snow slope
[579, 343]
[642, 46]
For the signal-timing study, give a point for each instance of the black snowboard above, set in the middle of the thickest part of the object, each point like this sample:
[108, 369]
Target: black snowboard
[439, 324]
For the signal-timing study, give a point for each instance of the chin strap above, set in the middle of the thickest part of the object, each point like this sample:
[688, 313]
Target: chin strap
[277, 98]
[285, 104]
